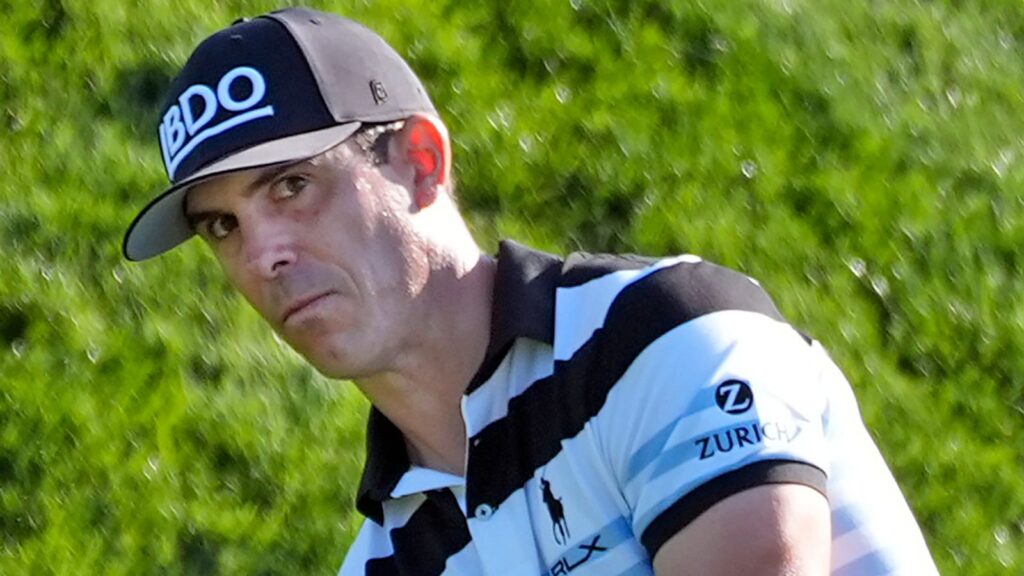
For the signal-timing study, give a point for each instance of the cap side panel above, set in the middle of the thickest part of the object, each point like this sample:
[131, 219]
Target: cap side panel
[360, 76]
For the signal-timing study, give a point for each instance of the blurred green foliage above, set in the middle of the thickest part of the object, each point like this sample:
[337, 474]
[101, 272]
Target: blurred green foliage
[863, 160]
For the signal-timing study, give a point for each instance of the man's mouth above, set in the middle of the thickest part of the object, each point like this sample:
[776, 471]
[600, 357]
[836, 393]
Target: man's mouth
[303, 303]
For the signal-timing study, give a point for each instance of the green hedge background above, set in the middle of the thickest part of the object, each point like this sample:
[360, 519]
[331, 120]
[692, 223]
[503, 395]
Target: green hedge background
[861, 159]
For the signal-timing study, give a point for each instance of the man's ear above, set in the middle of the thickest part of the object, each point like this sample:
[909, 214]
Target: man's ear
[423, 145]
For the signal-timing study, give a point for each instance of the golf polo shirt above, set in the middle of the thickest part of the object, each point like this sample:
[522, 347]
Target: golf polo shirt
[619, 399]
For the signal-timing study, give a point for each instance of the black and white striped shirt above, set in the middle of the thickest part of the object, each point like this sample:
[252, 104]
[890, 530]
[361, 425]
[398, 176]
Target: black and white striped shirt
[619, 399]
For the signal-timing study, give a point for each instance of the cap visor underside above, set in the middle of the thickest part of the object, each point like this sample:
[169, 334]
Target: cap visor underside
[161, 225]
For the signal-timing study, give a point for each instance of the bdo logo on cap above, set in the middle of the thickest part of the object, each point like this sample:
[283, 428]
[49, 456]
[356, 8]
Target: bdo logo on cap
[181, 130]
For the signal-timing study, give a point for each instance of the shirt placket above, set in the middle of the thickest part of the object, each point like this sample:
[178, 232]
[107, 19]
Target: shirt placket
[502, 532]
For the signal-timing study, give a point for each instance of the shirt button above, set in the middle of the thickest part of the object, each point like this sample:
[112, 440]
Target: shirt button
[484, 512]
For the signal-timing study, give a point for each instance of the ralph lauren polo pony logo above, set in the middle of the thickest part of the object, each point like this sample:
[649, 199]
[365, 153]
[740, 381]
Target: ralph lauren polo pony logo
[559, 526]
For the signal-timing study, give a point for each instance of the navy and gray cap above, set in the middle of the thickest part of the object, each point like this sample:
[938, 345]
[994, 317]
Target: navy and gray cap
[282, 87]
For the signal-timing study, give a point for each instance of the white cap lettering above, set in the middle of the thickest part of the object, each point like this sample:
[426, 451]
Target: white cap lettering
[209, 106]
[172, 131]
[180, 130]
[258, 87]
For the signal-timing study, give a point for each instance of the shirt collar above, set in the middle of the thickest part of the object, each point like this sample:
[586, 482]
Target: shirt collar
[523, 307]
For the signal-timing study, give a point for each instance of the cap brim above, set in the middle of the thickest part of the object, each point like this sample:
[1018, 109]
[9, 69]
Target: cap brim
[161, 225]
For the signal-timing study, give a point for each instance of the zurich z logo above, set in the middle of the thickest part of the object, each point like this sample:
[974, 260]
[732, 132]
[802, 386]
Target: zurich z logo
[181, 131]
[734, 397]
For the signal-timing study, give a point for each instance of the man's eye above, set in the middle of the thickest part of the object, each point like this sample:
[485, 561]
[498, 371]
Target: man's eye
[290, 186]
[220, 226]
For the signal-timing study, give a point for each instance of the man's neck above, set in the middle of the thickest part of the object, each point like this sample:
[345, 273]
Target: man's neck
[422, 395]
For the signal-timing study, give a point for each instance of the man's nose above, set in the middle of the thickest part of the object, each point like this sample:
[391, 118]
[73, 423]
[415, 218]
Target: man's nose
[269, 250]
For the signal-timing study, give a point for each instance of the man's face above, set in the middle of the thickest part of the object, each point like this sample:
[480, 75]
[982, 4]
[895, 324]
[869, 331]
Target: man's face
[323, 250]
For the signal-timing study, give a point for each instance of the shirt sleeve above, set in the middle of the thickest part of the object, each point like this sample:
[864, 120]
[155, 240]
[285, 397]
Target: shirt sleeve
[720, 404]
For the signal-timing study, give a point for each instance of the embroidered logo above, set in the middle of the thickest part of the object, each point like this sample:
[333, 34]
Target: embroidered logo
[734, 397]
[559, 526]
[181, 130]
[380, 95]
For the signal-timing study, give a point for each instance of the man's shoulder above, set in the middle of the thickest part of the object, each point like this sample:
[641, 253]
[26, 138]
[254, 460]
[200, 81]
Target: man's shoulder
[686, 286]
[624, 302]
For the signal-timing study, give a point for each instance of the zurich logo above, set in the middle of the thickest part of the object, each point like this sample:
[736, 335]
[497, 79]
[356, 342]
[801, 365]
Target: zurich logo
[734, 397]
[181, 130]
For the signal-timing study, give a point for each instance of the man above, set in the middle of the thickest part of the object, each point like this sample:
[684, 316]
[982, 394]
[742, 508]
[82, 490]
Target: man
[531, 415]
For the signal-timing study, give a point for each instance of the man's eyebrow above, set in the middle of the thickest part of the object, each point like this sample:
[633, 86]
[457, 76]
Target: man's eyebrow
[268, 175]
[194, 218]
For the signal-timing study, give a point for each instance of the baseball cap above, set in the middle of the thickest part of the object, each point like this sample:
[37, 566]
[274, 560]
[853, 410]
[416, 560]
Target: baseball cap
[281, 87]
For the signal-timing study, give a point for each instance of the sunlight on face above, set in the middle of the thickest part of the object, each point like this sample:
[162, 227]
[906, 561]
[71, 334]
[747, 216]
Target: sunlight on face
[323, 250]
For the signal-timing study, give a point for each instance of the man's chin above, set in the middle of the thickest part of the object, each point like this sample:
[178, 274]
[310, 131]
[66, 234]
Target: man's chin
[332, 363]
[311, 338]
[327, 347]
[338, 373]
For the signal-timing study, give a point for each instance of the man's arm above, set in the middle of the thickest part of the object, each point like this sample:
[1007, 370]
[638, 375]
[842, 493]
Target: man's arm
[775, 529]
